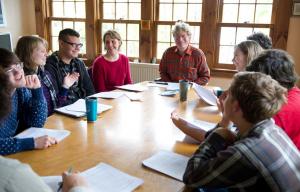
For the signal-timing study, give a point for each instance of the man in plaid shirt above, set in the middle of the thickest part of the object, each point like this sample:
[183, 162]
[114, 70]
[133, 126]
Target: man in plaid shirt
[183, 61]
[261, 157]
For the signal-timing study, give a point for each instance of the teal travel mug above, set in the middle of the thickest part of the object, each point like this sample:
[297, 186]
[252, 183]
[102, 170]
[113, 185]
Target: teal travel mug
[183, 89]
[91, 108]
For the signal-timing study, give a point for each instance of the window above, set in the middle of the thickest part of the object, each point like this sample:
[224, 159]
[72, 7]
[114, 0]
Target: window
[171, 11]
[67, 14]
[123, 16]
[240, 18]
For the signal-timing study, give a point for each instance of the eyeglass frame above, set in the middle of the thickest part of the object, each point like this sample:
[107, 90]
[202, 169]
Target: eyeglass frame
[18, 67]
[74, 45]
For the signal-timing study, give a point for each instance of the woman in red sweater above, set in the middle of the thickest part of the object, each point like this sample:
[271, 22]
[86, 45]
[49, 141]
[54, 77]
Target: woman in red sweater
[111, 69]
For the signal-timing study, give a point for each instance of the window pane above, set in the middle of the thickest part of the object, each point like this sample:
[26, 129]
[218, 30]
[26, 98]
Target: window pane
[80, 9]
[161, 47]
[194, 12]
[247, 1]
[69, 8]
[164, 33]
[264, 1]
[263, 14]
[68, 24]
[121, 28]
[123, 48]
[246, 13]
[226, 54]
[262, 30]
[108, 10]
[242, 34]
[180, 12]
[134, 11]
[195, 45]
[83, 48]
[56, 27]
[195, 34]
[80, 28]
[166, 1]
[180, 1]
[165, 12]
[132, 48]
[230, 1]
[133, 32]
[54, 43]
[195, 1]
[57, 9]
[230, 12]
[121, 11]
[106, 27]
[227, 36]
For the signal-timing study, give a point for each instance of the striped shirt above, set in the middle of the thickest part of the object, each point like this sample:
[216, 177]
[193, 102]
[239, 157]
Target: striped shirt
[263, 160]
[191, 66]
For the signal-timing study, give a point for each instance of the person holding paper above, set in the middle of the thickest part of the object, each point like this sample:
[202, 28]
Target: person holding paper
[64, 63]
[19, 176]
[32, 51]
[29, 108]
[183, 61]
[112, 69]
[260, 157]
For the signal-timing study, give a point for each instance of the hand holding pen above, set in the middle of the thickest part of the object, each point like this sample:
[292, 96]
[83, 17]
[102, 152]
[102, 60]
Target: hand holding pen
[71, 180]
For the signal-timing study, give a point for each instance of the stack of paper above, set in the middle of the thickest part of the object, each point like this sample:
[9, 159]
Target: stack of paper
[38, 132]
[169, 163]
[109, 94]
[206, 95]
[78, 109]
[133, 87]
[102, 178]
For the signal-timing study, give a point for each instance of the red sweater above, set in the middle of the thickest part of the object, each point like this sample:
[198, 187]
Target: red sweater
[107, 75]
[287, 117]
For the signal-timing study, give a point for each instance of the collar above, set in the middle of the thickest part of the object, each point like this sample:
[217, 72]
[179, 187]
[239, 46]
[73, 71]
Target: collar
[258, 127]
[188, 50]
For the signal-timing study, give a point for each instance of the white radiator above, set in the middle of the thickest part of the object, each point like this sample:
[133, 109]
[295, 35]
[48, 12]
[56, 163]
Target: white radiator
[143, 72]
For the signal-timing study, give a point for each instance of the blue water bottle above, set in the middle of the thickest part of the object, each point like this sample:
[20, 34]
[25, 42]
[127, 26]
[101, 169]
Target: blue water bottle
[91, 108]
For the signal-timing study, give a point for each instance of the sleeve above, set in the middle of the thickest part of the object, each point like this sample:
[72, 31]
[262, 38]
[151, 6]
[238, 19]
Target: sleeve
[215, 166]
[127, 72]
[163, 68]
[14, 145]
[203, 73]
[99, 76]
[24, 179]
[35, 108]
[87, 83]
[62, 97]
[50, 68]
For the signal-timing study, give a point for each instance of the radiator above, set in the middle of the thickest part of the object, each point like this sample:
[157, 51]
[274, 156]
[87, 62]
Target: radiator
[143, 72]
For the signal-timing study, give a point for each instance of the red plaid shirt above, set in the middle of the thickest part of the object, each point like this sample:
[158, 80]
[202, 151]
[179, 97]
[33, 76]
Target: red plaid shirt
[191, 66]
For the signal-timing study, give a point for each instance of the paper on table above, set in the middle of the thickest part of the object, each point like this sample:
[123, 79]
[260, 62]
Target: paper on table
[38, 132]
[134, 96]
[205, 94]
[199, 124]
[169, 163]
[78, 109]
[102, 177]
[109, 94]
[133, 87]
[172, 86]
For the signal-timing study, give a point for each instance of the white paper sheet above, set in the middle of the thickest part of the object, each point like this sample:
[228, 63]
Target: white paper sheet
[34, 132]
[78, 109]
[199, 124]
[102, 178]
[172, 86]
[109, 94]
[205, 94]
[133, 87]
[169, 163]
[134, 96]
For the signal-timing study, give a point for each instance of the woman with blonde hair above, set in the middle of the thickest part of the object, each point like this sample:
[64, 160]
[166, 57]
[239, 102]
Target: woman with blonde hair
[244, 53]
[112, 68]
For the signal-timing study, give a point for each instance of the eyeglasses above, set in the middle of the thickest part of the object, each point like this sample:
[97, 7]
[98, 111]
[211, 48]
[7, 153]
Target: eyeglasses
[14, 68]
[74, 45]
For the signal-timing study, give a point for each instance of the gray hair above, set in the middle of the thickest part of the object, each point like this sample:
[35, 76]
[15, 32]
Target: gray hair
[181, 26]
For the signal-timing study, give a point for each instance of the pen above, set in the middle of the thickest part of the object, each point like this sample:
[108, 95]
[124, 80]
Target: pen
[60, 184]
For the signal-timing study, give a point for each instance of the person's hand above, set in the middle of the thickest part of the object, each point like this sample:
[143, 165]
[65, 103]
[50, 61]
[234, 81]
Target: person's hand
[72, 180]
[178, 121]
[220, 101]
[70, 79]
[32, 82]
[44, 142]
[228, 135]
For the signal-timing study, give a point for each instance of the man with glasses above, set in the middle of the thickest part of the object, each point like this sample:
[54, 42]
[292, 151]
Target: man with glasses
[65, 62]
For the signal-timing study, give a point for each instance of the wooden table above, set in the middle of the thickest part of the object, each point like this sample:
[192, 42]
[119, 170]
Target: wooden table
[123, 137]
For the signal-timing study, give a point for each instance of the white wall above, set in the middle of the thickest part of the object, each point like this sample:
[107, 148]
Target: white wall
[20, 18]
